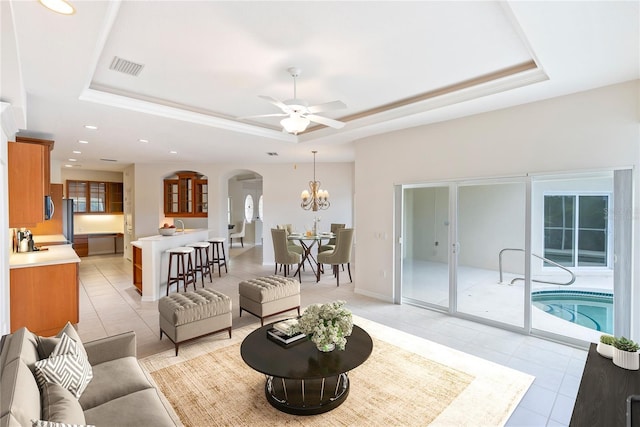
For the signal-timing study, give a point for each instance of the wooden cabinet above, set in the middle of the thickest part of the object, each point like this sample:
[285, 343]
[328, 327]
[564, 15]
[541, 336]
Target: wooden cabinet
[26, 184]
[44, 298]
[81, 244]
[186, 196]
[96, 197]
[137, 268]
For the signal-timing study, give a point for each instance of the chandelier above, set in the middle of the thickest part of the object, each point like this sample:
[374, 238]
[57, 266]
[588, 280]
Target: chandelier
[318, 198]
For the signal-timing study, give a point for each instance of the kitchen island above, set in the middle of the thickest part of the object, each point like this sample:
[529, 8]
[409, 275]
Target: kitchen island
[44, 289]
[151, 262]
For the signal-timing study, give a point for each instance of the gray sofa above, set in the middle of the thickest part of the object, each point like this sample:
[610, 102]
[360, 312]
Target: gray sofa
[119, 394]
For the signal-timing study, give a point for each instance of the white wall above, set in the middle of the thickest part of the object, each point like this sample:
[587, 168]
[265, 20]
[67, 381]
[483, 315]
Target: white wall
[7, 132]
[588, 130]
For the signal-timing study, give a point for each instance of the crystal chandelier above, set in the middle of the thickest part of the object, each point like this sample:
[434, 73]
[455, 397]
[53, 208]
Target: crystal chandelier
[317, 198]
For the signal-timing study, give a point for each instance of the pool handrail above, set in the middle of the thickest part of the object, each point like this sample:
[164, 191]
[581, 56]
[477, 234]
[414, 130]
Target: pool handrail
[573, 276]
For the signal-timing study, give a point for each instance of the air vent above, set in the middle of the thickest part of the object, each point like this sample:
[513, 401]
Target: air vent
[124, 66]
[272, 153]
[108, 160]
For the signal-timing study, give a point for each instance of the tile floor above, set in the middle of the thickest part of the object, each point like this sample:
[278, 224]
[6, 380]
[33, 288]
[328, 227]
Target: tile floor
[109, 305]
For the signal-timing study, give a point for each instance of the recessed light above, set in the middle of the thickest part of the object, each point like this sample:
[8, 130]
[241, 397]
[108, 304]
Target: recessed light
[143, 140]
[77, 152]
[173, 152]
[92, 127]
[68, 166]
[82, 141]
[59, 6]
[73, 160]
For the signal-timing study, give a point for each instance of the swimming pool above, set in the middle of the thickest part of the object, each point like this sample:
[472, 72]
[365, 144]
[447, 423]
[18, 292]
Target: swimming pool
[592, 310]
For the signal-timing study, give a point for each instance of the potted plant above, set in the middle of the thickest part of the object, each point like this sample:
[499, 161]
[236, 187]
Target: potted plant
[605, 346]
[625, 354]
[328, 325]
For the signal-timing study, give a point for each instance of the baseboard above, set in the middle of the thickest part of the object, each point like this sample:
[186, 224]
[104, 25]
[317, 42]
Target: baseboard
[382, 297]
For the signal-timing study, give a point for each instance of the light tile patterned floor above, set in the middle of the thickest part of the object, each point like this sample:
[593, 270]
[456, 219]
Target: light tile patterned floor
[109, 305]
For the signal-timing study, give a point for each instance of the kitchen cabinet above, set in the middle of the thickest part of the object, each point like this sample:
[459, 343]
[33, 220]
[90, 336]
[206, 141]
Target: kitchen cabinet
[186, 195]
[29, 180]
[81, 244]
[44, 298]
[137, 268]
[96, 197]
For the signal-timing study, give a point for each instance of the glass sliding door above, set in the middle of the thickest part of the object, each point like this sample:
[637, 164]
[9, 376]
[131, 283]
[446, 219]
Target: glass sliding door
[572, 228]
[491, 230]
[425, 249]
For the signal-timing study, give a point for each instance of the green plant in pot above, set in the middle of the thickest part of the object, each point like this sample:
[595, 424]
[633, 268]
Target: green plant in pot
[605, 346]
[625, 354]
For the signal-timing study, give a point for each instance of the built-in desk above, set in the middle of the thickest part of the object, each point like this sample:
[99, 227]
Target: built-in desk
[152, 262]
[603, 392]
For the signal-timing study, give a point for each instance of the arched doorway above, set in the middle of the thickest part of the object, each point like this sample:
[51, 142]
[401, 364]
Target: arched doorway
[244, 203]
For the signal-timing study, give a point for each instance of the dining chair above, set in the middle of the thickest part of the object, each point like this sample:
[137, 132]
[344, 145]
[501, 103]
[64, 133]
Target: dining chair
[238, 235]
[331, 244]
[340, 255]
[282, 254]
[292, 245]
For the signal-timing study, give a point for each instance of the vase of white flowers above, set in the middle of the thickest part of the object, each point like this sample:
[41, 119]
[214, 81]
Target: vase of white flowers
[328, 325]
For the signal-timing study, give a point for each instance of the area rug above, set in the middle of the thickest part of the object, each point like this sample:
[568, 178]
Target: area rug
[406, 381]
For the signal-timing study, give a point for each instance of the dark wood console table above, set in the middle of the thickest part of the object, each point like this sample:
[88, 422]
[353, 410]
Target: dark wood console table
[603, 392]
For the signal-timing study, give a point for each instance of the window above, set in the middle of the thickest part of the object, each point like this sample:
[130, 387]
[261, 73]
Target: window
[229, 210]
[260, 212]
[576, 230]
[248, 208]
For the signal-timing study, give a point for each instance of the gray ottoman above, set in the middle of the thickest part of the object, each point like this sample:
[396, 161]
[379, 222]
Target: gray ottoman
[268, 296]
[189, 315]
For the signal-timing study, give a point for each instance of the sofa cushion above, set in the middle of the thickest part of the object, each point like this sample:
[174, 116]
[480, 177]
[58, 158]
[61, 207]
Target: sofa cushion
[67, 366]
[114, 379]
[19, 394]
[47, 344]
[58, 404]
[22, 345]
[142, 408]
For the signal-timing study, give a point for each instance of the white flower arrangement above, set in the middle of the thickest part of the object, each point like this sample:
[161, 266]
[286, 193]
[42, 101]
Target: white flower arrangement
[327, 324]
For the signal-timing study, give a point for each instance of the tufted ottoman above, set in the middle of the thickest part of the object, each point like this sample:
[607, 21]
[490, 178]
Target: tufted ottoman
[268, 296]
[189, 315]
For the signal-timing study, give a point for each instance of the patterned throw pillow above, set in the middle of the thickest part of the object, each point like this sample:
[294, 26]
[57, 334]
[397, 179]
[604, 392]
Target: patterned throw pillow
[67, 366]
[41, 423]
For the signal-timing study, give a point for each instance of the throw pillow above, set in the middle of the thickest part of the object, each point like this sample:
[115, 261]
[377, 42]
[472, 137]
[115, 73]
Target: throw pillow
[58, 404]
[67, 366]
[47, 344]
[41, 423]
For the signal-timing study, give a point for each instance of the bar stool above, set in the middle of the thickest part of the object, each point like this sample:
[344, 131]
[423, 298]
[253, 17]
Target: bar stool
[217, 243]
[183, 272]
[202, 263]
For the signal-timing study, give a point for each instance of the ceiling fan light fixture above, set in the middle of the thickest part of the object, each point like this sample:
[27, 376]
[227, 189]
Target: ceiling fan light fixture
[295, 124]
[59, 6]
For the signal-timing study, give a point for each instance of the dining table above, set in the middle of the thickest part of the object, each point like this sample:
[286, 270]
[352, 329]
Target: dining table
[307, 242]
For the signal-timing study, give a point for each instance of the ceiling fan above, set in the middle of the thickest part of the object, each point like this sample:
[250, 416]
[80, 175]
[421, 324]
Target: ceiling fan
[299, 113]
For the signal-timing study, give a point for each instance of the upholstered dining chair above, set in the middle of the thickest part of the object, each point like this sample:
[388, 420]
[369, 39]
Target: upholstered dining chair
[238, 234]
[293, 246]
[282, 254]
[331, 244]
[340, 255]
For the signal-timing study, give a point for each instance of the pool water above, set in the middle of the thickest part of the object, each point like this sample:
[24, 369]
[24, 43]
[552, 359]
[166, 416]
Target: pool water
[593, 310]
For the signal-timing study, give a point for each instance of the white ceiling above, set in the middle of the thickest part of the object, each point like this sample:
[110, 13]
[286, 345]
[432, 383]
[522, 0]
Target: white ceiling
[394, 64]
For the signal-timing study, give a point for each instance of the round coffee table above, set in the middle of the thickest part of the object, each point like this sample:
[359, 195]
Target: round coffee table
[302, 380]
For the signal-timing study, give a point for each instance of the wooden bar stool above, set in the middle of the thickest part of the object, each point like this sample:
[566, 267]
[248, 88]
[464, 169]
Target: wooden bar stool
[217, 243]
[184, 271]
[202, 263]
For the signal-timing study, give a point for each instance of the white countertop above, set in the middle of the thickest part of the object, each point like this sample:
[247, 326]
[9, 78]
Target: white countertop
[56, 254]
[49, 238]
[176, 234]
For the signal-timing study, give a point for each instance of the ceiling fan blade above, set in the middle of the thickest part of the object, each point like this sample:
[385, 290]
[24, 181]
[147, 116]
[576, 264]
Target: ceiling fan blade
[327, 106]
[284, 107]
[325, 121]
[263, 115]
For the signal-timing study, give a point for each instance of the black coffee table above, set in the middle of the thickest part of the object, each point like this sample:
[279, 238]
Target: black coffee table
[302, 380]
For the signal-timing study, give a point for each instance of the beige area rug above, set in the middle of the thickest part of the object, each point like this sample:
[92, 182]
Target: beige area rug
[406, 381]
